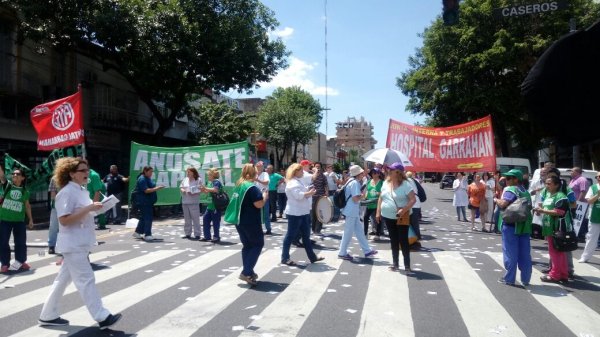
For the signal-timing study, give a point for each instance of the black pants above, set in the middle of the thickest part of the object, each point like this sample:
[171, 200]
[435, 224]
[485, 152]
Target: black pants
[378, 226]
[316, 224]
[415, 216]
[273, 204]
[398, 239]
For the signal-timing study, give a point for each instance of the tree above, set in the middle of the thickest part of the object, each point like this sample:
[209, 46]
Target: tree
[166, 50]
[475, 68]
[220, 124]
[289, 117]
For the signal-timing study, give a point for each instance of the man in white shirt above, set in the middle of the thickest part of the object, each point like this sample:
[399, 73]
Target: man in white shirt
[262, 182]
[307, 177]
[332, 183]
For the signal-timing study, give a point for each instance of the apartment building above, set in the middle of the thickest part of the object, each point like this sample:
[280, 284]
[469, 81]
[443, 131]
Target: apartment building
[355, 134]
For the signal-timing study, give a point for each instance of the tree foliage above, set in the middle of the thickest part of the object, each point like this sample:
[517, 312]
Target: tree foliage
[220, 123]
[475, 68]
[167, 50]
[289, 117]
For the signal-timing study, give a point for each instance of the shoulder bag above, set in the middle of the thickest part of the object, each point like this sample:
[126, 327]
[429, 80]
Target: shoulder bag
[564, 240]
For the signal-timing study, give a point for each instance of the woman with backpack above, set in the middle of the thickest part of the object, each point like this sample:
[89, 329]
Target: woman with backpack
[15, 205]
[212, 214]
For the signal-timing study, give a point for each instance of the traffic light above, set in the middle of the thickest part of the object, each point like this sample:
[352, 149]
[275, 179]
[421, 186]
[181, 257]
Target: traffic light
[450, 14]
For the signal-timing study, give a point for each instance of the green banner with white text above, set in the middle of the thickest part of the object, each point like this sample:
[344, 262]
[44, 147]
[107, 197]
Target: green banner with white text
[170, 163]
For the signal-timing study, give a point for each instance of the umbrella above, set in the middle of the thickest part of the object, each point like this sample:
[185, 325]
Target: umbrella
[562, 88]
[388, 156]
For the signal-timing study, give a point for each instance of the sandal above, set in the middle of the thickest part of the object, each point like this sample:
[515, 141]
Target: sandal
[319, 258]
[289, 263]
[248, 279]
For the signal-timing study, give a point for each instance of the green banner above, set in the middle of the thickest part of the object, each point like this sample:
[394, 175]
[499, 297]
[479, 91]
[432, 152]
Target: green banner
[170, 163]
[39, 178]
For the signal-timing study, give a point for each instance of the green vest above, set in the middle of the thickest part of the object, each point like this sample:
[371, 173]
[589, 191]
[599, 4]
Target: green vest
[522, 227]
[232, 213]
[13, 207]
[595, 213]
[550, 223]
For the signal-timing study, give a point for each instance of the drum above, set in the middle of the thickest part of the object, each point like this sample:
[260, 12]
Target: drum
[368, 202]
[324, 209]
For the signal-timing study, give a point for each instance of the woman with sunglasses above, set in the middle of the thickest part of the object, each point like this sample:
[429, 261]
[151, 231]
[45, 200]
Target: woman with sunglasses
[76, 237]
[15, 205]
[591, 238]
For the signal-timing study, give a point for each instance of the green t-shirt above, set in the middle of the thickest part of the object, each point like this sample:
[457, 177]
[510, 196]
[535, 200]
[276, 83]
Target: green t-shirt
[373, 193]
[13, 207]
[210, 184]
[94, 184]
[273, 180]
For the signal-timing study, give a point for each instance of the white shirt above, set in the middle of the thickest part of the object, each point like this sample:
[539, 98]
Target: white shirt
[331, 180]
[306, 178]
[79, 237]
[192, 187]
[263, 176]
[490, 187]
[412, 184]
[297, 204]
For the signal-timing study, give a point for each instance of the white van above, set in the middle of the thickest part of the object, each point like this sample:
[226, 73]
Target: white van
[505, 164]
[565, 173]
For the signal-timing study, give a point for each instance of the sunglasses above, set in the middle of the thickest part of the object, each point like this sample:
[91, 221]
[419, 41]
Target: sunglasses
[597, 177]
[16, 174]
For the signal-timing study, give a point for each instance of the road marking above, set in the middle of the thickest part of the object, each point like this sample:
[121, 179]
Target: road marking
[396, 320]
[195, 313]
[473, 298]
[571, 312]
[121, 300]
[41, 272]
[288, 312]
[37, 297]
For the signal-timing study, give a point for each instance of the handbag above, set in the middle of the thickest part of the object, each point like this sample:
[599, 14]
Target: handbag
[404, 219]
[562, 239]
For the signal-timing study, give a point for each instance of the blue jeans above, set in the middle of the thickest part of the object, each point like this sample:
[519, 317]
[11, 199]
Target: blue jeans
[19, 231]
[281, 202]
[516, 250]
[253, 241]
[214, 216]
[336, 211]
[415, 217]
[53, 228]
[459, 210]
[144, 227]
[267, 216]
[297, 224]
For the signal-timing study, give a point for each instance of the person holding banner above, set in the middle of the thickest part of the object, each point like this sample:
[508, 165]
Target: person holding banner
[147, 190]
[76, 237]
[14, 206]
[190, 188]
[591, 238]
[245, 212]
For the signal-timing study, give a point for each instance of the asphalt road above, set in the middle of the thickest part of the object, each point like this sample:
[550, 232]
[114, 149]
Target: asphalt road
[176, 287]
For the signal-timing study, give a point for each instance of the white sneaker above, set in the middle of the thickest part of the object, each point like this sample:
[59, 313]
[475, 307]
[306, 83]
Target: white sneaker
[582, 260]
[136, 235]
[148, 238]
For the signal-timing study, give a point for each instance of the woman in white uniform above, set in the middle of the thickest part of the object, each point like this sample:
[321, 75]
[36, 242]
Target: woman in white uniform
[461, 199]
[76, 236]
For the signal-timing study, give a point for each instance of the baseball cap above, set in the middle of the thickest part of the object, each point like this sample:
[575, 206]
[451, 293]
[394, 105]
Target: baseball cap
[305, 162]
[396, 166]
[514, 173]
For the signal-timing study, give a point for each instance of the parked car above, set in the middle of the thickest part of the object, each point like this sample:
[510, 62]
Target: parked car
[446, 181]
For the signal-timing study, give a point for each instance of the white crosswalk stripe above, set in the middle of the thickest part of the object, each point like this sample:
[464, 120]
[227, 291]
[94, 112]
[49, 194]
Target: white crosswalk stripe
[8, 281]
[386, 307]
[566, 308]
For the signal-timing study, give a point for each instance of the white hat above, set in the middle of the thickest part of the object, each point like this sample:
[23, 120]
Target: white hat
[355, 170]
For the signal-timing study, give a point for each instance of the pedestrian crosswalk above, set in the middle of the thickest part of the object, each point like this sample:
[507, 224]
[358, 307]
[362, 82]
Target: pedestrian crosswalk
[178, 292]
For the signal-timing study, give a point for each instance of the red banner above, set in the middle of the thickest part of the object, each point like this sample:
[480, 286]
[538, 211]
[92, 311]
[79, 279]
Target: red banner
[464, 147]
[58, 123]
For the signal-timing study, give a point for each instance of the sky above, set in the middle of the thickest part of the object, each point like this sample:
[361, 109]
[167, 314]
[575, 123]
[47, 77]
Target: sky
[368, 46]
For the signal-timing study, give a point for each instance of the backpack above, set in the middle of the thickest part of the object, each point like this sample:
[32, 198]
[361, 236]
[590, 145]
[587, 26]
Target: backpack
[518, 211]
[420, 191]
[220, 200]
[339, 196]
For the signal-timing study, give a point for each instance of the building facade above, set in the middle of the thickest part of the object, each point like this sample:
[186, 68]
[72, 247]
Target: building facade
[355, 134]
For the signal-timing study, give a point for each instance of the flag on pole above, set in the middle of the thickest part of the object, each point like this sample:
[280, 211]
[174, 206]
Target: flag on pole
[58, 123]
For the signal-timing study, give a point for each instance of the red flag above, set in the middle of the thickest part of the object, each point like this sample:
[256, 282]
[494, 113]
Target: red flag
[58, 123]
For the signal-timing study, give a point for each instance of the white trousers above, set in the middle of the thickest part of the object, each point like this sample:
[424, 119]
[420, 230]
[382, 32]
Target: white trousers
[353, 227]
[591, 241]
[75, 267]
[191, 216]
